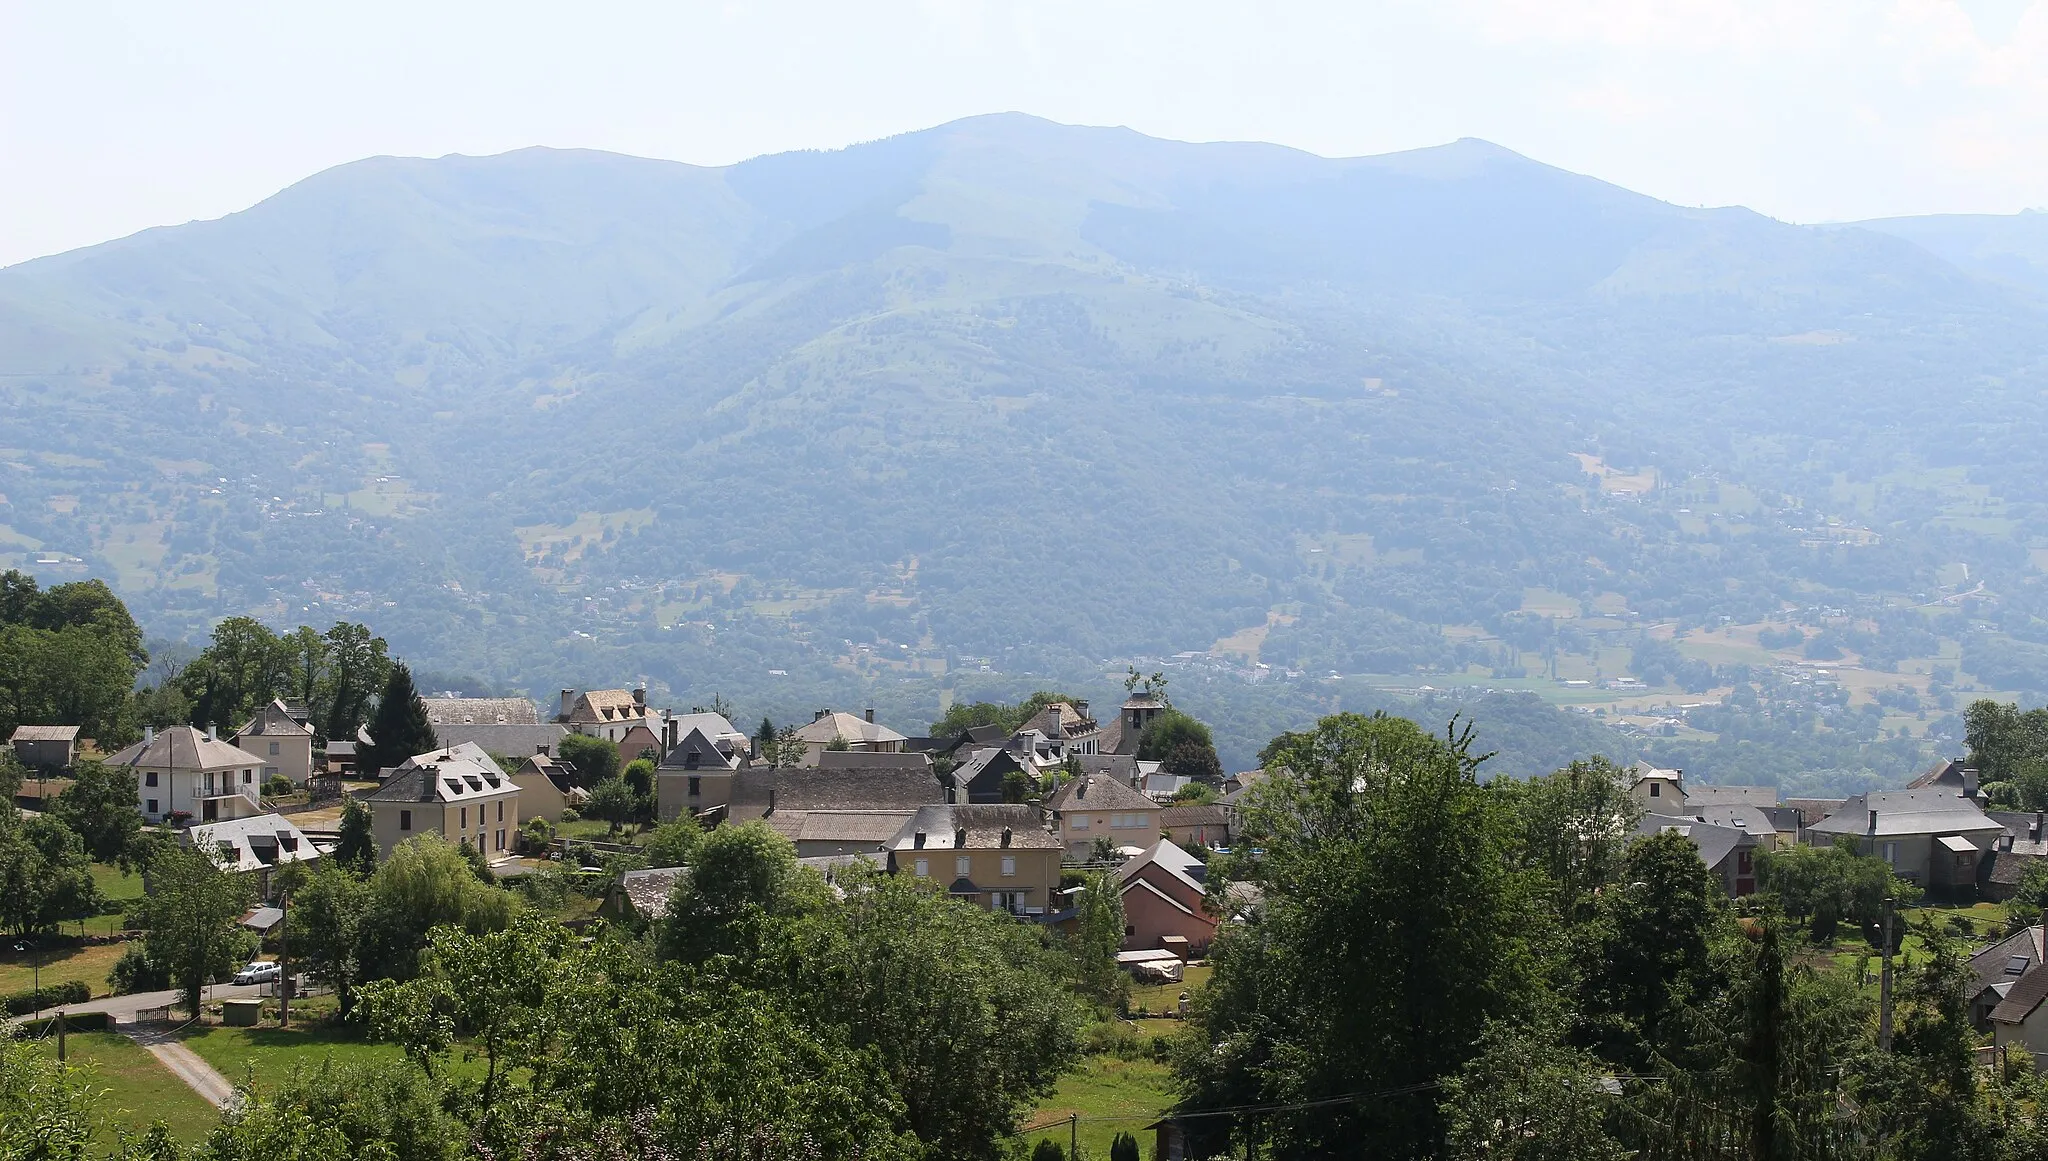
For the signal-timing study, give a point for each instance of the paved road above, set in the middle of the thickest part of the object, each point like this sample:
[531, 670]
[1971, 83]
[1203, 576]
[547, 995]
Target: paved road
[123, 1008]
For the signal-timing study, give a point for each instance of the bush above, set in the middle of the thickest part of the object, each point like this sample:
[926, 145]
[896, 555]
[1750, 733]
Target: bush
[1123, 1147]
[134, 972]
[277, 786]
[571, 814]
[53, 996]
[535, 834]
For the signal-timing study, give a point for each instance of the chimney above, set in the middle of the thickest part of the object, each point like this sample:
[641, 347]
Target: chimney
[568, 703]
[2037, 833]
[952, 793]
[771, 800]
[1006, 836]
[670, 727]
[427, 775]
[917, 841]
[1873, 822]
[960, 838]
[871, 715]
[213, 733]
[817, 715]
[1969, 782]
[640, 696]
[2005, 842]
[148, 735]
[540, 748]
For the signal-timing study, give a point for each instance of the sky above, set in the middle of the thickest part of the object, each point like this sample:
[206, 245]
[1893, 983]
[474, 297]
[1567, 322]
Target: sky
[119, 116]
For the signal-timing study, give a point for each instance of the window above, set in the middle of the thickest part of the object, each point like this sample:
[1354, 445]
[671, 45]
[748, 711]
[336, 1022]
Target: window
[149, 779]
[501, 818]
[501, 838]
[962, 866]
[405, 820]
[1964, 860]
[1079, 822]
[465, 819]
[695, 785]
[1891, 853]
[273, 749]
[924, 868]
[1656, 791]
[248, 776]
[152, 803]
[1009, 865]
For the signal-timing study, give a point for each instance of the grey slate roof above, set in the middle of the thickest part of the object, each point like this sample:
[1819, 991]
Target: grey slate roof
[481, 711]
[1715, 843]
[866, 827]
[984, 824]
[1906, 812]
[1207, 814]
[873, 760]
[647, 892]
[513, 741]
[1122, 767]
[1703, 794]
[1991, 963]
[2025, 996]
[271, 721]
[698, 747]
[1098, 792]
[1747, 819]
[812, 788]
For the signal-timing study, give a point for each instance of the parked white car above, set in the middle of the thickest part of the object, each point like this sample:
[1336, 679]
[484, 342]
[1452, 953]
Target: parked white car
[260, 972]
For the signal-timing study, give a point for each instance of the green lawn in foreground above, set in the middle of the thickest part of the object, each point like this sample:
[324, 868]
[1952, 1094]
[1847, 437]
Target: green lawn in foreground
[138, 1090]
[271, 1052]
[1134, 1092]
[58, 961]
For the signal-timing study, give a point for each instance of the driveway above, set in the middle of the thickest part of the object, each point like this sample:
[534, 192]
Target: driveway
[186, 1065]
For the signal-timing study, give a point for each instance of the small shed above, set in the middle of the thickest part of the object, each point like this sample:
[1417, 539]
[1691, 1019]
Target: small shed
[1155, 964]
[240, 1013]
[45, 747]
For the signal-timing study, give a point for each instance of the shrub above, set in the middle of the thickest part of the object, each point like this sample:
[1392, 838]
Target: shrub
[277, 786]
[571, 814]
[1048, 1150]
[1123, 1147]
[52, 996]
[135, 972]
[535, 834]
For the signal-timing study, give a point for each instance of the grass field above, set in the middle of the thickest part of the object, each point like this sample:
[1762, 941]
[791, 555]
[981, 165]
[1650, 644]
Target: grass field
[61, 961]
[268, 1053]
[138, 1090]
[1111, 1096]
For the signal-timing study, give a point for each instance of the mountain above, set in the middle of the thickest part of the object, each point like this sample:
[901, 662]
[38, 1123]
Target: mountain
[2009, 248]
[1008, 401]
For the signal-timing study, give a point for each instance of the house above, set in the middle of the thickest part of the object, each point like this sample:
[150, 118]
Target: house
[256, 846]
[1705, 794]
[868, 760]
[1656, 791]
[989, 854]
[729, 740]
[545, 787]
[759, 793]
[1204, 825]
[979, 778]
[1165, 902]
[641, 895]
[184, 773]
[51, 748]
[831, 728]
[2020, 1021]
[283, 742]
[606, 713]
[694, 776]
[1096, 806]
[1935, 838]
[1729, 852]
[1748, 819]
[479, 711]
[1067, 727]
[1141, 709]
[821, 834]
[458, 793]
[1998, 967]
[512, 741]
[2022, 843]
[1947, 774]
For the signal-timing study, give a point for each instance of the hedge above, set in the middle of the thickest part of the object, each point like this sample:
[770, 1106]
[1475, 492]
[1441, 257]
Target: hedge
[73, 1021]
[54, 996]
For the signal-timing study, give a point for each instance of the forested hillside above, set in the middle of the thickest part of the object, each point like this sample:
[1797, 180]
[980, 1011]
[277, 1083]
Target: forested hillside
[1005, 400]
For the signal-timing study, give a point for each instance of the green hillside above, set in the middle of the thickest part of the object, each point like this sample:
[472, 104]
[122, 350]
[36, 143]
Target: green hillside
[1005, 400]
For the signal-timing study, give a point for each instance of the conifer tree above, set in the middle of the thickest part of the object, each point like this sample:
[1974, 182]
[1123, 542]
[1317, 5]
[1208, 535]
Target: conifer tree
[400, 728]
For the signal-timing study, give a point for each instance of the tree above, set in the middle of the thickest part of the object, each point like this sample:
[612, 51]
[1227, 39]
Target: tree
[1195, 794]
[50, 1108]
[612, 802]
[303, 659]
[1098, 937]
[1649, 949]
[1019, 786]
[400, 728]
[1826, 886]
[1528, 1096]
[673, 843]
[764, 741]
[356, 848]
[189, 917]
[357, 666]
[1196, 762]
[244, 666]
[1123, 1147]
[1383, 829]
[1923, 1095]
[595, 760]
[791, 750]
[45, 875]
[100, 806]
[1574, 827]
[327, 932]
[424, 884]
[1168, 731]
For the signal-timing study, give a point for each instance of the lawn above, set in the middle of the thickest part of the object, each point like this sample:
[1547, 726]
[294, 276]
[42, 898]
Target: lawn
[1166, 997]
[138, 1090]
[271, 1052]
[1111, 1096]
[60, 960]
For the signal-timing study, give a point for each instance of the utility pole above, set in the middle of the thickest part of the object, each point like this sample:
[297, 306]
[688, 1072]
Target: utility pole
[60, 1035]
[284, 960]
[1884, 982]
[1073, 1135]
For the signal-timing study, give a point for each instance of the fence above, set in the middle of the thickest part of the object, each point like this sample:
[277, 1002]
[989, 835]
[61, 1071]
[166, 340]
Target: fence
[153, 1015]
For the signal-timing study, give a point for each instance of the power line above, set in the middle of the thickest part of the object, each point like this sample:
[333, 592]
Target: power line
[1237, 1110]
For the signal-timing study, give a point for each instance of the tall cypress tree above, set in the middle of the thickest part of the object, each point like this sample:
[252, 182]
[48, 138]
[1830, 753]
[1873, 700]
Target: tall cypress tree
[400, 728]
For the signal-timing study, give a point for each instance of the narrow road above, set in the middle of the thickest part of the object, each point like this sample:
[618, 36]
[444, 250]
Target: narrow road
[187, 1065]
[123, 1008]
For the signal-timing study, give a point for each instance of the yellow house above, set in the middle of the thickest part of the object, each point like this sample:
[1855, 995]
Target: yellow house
[282, 741]
[991, 855]
[1096, 806]
[463, 797]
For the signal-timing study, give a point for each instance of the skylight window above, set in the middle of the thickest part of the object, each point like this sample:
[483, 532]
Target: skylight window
[2017, 965]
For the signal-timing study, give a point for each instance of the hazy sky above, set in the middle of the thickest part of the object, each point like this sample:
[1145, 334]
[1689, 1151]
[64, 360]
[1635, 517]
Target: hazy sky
[117, 116]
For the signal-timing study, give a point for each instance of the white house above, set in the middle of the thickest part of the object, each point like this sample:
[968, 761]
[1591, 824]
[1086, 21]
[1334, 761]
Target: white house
[182, 771]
